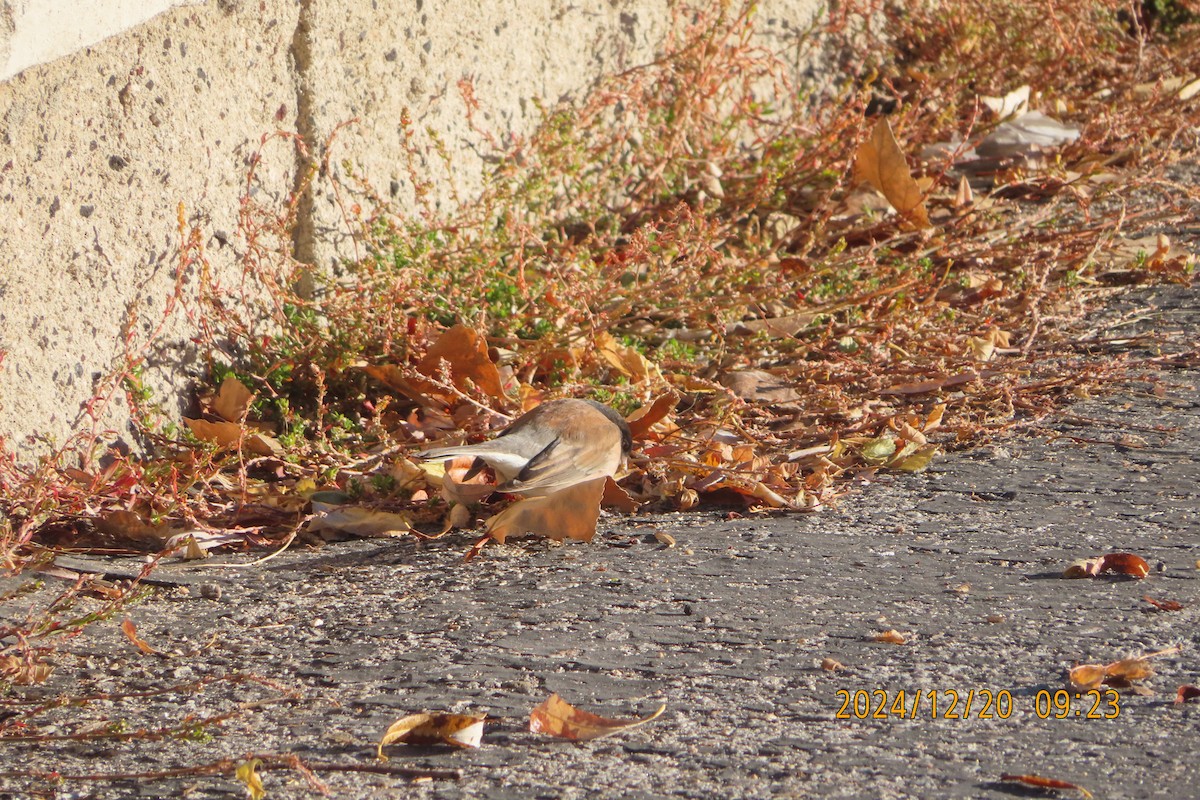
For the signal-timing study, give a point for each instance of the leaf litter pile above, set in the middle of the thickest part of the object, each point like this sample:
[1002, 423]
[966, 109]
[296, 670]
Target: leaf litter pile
[785, 287]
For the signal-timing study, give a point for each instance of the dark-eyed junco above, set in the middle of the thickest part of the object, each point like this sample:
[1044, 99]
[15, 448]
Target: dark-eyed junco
[558, 444]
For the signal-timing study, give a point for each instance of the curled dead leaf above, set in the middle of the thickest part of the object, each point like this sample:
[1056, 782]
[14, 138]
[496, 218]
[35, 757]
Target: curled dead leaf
[466, 352]
[1086, 676]
[1164, 605]
[1125, 564]
[1187, 694]
[557, 717]
[890, 637]
[247, 773]
[1118, 563]
[1045, 783]
[456, 730]
[130, 631]
[24, 671]
[616, 497]
[627, 361]
[831, 665]
[641, 421]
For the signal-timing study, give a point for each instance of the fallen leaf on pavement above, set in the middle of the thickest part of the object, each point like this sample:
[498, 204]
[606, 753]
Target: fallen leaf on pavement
[569, 513]
[1164, 605]
[247, 773]
[130, 631]
[456, 730]
[890, 637]
[1187, 693]
[557, 717]
[1119, 563]
[1124, 673]
[1045, 783]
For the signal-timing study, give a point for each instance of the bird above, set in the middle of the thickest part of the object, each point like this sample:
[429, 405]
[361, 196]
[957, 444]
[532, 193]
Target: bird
[557, 444]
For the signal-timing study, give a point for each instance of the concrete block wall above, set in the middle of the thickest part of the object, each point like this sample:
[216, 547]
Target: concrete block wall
[101, 143]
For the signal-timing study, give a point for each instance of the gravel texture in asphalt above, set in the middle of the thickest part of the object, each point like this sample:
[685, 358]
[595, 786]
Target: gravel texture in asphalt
[729, 628]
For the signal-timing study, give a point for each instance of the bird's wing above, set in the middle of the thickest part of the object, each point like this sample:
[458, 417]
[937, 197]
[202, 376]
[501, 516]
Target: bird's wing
[561, 464]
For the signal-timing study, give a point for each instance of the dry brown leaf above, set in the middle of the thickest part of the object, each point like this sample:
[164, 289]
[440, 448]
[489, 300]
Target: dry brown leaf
[570, 513]
[890, 637]
[467, 354]
[456, 730]
[1187, 693]
[627, 361]
[831, 665]
[228, 434]
[233, 400]
[1125, 564]
[1127, 671]
[756, 385]
[1119, 563]
[1124, 673]
[367, 523]
[641, 421]
[616, 497]
[557, 717]
[24, 672]
[665, 539]
[1083, 568]
[881, 163]
[129, 525]
[1045, 783]
[1086, 676]
[457, 488]
[130, 631]
[1164, 605]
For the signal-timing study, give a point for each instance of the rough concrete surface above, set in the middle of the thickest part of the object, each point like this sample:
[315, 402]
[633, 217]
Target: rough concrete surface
[102, 147]
[728, 628]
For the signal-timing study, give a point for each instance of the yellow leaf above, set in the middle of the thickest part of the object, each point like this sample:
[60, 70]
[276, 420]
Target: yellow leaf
[881, 163]
[247, 773]
[557, 717]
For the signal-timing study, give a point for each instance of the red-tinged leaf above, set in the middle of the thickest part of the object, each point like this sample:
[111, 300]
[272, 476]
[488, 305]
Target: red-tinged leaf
[1125, 564]
[642, 420]
[1045, 783]
[1164, 605]
[557, 717]
[1187, 694]
[130, 631]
